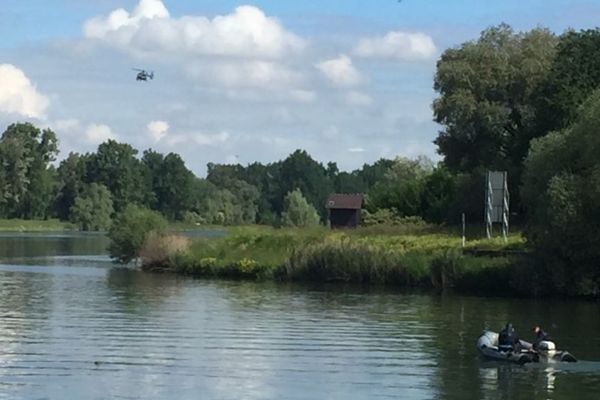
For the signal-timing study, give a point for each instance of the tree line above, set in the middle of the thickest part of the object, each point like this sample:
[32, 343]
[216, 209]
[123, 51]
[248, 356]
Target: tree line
[90, 189]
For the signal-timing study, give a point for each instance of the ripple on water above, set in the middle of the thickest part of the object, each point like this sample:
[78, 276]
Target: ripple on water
[76, 323]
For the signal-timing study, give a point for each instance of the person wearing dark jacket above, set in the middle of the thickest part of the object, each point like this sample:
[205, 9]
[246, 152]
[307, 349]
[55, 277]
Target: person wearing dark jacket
[540, 336]
[508, 340]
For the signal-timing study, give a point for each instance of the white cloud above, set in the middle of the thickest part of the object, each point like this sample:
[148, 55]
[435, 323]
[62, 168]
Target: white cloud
[249, 74]
[99, 133]
[356, 150]
[121, 19]
[18, 95]
[340, 71]
[149, 29]
[201, 139]
[398, 45]
[358, 99]
[157, 129]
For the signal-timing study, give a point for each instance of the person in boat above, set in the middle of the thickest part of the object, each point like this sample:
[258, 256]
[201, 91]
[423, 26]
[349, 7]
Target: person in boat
[508, 340]
[540, 336]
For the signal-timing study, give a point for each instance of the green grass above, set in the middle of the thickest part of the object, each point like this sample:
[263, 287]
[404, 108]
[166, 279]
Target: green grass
[403, 256]
[21, 225]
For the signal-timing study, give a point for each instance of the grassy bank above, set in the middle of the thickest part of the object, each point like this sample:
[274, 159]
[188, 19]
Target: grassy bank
[21, 225]
[413, 256]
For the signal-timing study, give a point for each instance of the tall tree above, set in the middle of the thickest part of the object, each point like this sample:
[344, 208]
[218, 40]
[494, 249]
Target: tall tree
[488, 91]
[562, 190]
[115, 166]
[71, 179]
[300, 171]
[245, 196]
[264, 178]
[572, 78]
[28, 177]
[171, 183]
[15, 182]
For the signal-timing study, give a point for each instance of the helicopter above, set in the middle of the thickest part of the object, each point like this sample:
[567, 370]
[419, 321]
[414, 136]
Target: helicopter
[143, 75]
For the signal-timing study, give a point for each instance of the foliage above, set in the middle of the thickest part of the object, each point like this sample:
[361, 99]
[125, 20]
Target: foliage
[230, 195]
[562, 192]
[115, 166]
[170, 183]
[129, 231]
[26, 175]
[300, 171]
[488, 91]
[390, 217]
[71, 179]
[401, 187]
[572, 78]
[92, 209]
[297, 212]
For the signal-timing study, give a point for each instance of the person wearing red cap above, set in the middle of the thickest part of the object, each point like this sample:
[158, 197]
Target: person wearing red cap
[540, 336]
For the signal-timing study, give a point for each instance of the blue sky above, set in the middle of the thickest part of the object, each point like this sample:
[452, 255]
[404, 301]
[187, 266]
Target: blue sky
[350, 81]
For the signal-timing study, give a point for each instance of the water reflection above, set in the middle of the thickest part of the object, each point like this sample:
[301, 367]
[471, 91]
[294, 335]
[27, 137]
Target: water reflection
[76, 321]
[15, 245]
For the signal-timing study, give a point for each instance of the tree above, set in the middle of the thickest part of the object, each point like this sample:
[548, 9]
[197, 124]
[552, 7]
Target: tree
[300, 171]
[170, 182]
[349, 182]
[92, 209]
[439, 194]
[15, 182]
[115, 166]
[574, 75]
[246, 197]
[25, 155]
[266, 180]
[488, 91]
[371, 174]
[71, 180]
[561, 188]
[130, 229]
[217, 206]
[401, 188]
[298, 212]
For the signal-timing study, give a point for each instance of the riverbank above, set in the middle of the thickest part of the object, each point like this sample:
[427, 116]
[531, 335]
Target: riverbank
[22, 225]
[408, 256]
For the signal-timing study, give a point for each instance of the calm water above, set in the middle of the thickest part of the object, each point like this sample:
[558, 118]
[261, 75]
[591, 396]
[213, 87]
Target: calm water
[74, 326]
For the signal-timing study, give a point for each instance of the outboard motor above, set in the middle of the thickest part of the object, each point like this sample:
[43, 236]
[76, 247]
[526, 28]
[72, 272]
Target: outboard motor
[546, 345]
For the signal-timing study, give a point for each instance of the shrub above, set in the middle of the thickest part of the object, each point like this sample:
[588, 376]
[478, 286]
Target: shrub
[93, 208]
[159, 250]
[130, 230]
[298, 212]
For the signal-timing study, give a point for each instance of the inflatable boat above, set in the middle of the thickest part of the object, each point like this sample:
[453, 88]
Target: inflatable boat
[487, 344]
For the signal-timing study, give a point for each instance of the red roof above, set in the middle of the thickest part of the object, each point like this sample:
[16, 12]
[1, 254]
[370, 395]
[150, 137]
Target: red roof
[345, 201]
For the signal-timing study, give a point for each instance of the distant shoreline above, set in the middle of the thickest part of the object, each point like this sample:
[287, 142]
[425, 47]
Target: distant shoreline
[23, 225]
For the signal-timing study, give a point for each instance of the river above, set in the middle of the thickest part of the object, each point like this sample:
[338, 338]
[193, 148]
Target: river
[73, 325]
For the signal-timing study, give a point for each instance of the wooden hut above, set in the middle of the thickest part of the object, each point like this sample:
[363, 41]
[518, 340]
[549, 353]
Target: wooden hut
[344, 210]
